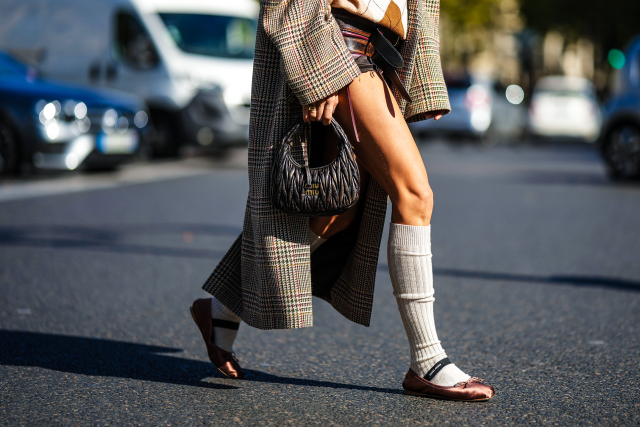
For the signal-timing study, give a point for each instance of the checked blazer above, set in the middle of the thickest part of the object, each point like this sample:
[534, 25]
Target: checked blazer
[300, 57]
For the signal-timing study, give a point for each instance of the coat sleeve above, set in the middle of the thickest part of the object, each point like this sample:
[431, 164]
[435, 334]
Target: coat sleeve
[314, 58]
[428, 89]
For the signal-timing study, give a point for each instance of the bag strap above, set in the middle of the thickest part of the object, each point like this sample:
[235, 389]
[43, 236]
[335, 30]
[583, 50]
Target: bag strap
[305, 152]
[353, 119]
[305, 148]
[386, 50]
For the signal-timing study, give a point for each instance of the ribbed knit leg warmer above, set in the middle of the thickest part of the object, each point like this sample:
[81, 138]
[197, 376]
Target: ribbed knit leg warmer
[409, 258]
[225, 325]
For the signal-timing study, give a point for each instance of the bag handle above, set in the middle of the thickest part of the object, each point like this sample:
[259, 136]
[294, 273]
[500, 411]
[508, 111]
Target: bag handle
[353, 119]
[300, 127]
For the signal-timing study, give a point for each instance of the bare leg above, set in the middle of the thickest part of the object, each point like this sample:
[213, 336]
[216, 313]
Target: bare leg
[386, 150]
[389, 154]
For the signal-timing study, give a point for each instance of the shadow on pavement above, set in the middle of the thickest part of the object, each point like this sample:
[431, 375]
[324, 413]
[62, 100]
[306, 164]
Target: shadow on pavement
[109, 238]
[118, 231]
[605, 282]
[258, 376]
[107, 358]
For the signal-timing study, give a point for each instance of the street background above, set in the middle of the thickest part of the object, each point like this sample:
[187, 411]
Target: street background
[537, 290]
[116, 204]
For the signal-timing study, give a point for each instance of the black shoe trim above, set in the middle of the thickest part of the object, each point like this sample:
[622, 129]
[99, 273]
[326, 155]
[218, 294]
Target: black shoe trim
[219, 323]
[436, 368]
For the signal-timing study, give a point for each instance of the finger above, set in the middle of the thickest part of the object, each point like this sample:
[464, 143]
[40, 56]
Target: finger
[305, 113]
[313, 113]
[320, 110]
[328, 113]
[333, 100]
[333, 103]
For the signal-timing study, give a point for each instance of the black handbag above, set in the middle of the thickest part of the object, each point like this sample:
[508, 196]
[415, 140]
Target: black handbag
[323, 191]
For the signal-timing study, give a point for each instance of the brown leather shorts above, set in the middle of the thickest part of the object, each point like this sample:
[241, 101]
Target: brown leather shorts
[356, 32]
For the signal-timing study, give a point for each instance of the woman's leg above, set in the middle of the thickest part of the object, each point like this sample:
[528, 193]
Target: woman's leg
[327, 226]
[389, 154]
[386, 150]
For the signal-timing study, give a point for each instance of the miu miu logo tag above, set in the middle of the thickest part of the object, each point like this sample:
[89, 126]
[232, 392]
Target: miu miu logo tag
[311, 189]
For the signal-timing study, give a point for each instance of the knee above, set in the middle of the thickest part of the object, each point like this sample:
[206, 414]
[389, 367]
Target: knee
[423, 200]
[415, 205]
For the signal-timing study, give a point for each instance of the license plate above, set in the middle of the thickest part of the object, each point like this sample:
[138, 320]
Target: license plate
[117, 143]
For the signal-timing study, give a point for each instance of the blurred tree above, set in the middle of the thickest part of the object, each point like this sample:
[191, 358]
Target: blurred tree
[470, 14]
[610, 24]
[479, 37]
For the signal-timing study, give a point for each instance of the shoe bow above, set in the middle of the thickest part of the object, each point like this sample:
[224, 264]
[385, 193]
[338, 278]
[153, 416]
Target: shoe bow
[464, 384]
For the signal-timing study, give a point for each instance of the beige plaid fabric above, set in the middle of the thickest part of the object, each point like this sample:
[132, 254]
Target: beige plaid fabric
[391, 14]
[300, 56]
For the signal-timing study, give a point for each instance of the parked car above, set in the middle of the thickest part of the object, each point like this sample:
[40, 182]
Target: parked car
[563, 106]
[49, 125]
[479, 110]
[620, 137]
[190, 60]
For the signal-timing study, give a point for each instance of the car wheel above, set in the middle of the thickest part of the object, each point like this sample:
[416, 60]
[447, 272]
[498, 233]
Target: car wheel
[622, 152]
[166, 142]
[9, 150]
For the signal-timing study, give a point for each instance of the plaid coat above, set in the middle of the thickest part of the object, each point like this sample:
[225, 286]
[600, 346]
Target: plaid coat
[300, 57]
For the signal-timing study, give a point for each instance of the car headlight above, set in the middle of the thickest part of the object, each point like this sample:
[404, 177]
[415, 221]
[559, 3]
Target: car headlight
[141, 119]
[80, 110]
[109, 120]
[47, 111]
[122, 124]
[62, 121]
[52, 129]
[48, 114]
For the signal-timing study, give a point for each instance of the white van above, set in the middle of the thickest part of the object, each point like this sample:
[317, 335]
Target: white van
[190, 60]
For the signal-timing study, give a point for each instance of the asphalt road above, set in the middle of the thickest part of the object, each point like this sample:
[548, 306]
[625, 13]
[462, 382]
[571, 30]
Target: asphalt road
[537, 277]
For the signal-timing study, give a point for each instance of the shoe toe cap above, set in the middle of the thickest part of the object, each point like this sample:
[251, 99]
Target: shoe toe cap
[484, 391]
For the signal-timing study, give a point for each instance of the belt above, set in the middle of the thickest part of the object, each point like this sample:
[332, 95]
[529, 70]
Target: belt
[364, 38]
[358, 44]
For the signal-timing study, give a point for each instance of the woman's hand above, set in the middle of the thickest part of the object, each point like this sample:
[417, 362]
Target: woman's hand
[321, 111]
[436, 115]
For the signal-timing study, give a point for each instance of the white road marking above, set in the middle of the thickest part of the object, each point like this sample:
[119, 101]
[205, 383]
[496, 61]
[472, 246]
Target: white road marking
[129, 174]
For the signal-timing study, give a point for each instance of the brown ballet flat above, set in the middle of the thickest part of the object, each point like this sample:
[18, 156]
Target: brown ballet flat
[225, 361]
[472, 390]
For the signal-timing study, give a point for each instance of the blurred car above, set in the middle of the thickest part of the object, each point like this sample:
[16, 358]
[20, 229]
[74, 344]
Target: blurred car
[58, 126]
[564, 106]
[620, 137]
[479, 110]
[190, 60]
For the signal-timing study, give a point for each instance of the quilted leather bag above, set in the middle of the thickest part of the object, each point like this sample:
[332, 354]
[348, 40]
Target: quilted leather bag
[323, 191]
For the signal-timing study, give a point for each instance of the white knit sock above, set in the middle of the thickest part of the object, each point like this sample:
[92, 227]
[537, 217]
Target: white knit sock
[315, 241]
[449, 376]
[409, 258]
[225, 325]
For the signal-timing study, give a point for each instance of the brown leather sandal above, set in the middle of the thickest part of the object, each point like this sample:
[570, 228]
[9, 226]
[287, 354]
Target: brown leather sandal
[225, 361]
[472, 390]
